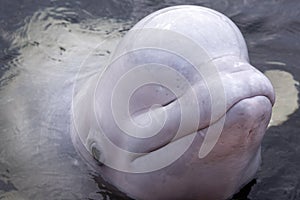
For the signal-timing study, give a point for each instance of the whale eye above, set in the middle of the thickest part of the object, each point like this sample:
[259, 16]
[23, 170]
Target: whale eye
[96, 154]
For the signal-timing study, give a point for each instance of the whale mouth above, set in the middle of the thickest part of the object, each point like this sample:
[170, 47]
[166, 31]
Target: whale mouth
[242, 131]
[242, 82]
[202, 131]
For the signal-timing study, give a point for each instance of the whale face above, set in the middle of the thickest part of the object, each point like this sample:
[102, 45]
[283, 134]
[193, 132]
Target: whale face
[178, 113]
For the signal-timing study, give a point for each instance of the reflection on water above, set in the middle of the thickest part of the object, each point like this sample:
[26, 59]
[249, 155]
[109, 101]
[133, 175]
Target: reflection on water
[286, 91]
[39, 64]
[37, 157]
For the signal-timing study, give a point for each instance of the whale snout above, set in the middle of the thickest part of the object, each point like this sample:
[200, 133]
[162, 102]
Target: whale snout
[231, 164]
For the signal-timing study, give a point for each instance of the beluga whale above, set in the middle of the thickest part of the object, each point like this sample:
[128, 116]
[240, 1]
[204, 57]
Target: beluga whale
[178, 112]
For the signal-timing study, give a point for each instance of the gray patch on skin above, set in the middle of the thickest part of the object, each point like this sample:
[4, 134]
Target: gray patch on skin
[6, 186]
[12, 195]
[286, 95]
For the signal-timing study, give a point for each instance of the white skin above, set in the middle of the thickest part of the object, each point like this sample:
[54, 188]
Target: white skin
[235, 157]
[47, 91]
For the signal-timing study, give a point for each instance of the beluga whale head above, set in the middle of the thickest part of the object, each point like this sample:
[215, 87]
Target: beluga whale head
[178, 112]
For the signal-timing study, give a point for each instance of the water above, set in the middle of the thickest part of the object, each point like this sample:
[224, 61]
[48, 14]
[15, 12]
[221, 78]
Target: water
[43, 46]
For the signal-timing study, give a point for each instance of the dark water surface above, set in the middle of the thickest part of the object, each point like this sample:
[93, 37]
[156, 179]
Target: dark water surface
[43, 44]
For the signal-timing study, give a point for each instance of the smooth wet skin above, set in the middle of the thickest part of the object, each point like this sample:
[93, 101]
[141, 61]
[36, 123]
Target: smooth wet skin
[43, 44]
[232, 163]
[142, 169]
